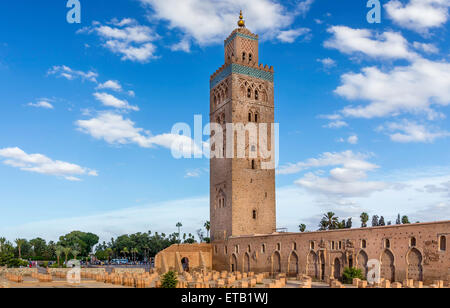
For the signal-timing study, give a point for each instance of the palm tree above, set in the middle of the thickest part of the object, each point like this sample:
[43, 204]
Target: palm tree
[19, 243]
[67, 251]
[179, 225]
[364, 219]
[125, 251]
[2, 243]
[207, 227]
[329, 222]
[302, 228]
[110, 252]
[59, 251]
[134, 251]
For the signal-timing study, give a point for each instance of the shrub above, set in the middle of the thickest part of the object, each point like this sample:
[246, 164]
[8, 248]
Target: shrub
[351, 273]
[169, 280]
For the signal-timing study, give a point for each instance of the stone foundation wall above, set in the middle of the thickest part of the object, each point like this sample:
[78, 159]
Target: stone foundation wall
[197, 256]
[404, 251]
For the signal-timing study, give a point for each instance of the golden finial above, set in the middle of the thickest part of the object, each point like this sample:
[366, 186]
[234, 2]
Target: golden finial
[241, 22]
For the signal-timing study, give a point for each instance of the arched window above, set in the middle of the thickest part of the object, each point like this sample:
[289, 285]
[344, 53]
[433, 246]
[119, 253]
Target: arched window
[226, 250]
[250, 57]
[442, 243]
[249, 249]
[363, 244]
[294, 246]
[256, 95]
[340, 245]
[279, 246]
[236, 249]
[332, 245]
[413, 242]
[387, 243]
[256, 118]
[249, 93]
[253, 164]
[243, 56]
[312, 245]
[249, 117]
[263, 248]
[254, 214]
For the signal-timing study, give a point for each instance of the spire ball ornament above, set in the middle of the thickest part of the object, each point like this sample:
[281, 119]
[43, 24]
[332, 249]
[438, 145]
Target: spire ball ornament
[241, 22]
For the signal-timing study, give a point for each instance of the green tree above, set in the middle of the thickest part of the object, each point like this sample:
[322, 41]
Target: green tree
[349, 224]
[179, 225]
[125, 252]
[364, 219]
[19, 244]
[329, 222]
[67, 251]
[169, 280]
[382, 222]
[405, 220]
[59, 251]
[302, 228]
[350, 273]
[207, 227]
[375, 222]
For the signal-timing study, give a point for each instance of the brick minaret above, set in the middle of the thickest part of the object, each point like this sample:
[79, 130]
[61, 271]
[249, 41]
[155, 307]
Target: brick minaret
[242, 91]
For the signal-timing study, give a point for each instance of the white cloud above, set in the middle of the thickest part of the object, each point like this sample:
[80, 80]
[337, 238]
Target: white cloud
[336, 124]
[41, 104]
[327, 62]
[387, 45]
[38, 163]
[110, 85]
[115, 129]
[112, 101]
[70, 74]
[353, 139]
[407, 131]
[183, 45]
[289, 36]
[346, 178]
[208, 22]
[127, 38]
[427, 48]
[405, 89]
[303, 7]
[418, 15]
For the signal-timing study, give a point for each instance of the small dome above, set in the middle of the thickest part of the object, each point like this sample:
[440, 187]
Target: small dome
[241, 22]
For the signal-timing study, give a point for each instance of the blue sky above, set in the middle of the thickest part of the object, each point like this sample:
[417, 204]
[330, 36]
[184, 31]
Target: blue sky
[87, 111]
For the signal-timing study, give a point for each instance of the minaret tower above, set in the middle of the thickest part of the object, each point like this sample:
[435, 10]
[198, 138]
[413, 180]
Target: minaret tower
[242, 91]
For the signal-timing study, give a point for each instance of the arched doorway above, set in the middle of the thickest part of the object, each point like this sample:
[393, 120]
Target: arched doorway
[234, 263]
[362, 262]
[312, 268]
[387, 266]
[293, 265]
[185, 264]
[246, 263]
[276, 262]
[415, 270]
[337, 269]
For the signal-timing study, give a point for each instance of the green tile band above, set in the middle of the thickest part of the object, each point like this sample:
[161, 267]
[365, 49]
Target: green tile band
[241, 35]
[243, 70]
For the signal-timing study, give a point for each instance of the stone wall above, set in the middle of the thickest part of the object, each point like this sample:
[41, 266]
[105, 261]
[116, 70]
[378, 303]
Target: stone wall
[196, 256]
[17, 271]
[404, 251]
